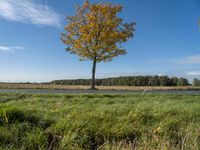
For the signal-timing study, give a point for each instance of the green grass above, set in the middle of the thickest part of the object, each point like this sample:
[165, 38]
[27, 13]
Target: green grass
[104, 122]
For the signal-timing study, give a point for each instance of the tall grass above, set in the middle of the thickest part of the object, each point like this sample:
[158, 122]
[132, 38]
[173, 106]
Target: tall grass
[103, 122]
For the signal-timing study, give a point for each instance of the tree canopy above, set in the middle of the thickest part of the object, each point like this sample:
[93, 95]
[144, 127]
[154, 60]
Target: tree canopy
[96, 32]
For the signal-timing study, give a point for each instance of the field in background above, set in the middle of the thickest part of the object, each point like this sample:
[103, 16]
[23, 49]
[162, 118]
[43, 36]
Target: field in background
[77, 87]
[103, 121]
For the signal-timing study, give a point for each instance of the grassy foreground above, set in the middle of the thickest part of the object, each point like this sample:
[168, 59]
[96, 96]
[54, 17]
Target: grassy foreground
[104, 122]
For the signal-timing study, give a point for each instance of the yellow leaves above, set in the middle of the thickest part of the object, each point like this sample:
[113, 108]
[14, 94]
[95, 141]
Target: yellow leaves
[90, 18]
[85, 38]
[77, 46]
[95, 7]
[117, 8]
[82, 29]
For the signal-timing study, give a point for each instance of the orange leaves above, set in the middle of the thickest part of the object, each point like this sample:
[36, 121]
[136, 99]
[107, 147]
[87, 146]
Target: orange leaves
[90, 18]
[96, 32]
[77, 46]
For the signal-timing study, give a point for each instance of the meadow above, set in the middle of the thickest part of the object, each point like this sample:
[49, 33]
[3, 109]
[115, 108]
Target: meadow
[99, 121]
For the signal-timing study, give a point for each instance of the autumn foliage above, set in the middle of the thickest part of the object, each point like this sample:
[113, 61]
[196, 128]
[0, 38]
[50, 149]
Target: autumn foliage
[95, 33]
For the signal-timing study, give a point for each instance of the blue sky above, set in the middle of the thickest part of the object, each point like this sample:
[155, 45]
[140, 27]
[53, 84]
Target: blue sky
[166, 41]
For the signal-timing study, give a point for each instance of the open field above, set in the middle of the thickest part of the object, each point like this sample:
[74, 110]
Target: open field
[76, 87]
[103, 121]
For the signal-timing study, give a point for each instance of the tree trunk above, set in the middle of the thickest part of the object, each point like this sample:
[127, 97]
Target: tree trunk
[93, 74]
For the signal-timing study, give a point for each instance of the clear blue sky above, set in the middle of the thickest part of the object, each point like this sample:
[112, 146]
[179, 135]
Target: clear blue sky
[166, 41]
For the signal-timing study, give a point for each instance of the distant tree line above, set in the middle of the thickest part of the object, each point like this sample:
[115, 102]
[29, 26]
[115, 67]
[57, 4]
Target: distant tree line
[129, 81]
[196, 82]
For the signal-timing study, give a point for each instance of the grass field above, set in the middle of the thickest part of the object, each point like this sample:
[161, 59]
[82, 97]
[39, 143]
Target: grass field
[104, 122]
[80, 87]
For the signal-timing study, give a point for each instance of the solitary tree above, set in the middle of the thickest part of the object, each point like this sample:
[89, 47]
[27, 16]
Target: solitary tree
[95, 33]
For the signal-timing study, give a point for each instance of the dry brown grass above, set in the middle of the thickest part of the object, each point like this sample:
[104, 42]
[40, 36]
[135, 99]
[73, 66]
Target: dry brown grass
[80, 87]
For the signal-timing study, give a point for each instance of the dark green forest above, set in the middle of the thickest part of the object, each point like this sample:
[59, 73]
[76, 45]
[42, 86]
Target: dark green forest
[129, 81]
[196, 82]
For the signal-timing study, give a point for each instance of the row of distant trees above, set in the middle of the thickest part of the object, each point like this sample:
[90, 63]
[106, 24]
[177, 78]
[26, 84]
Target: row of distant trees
[196, 82]
[129, 81]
